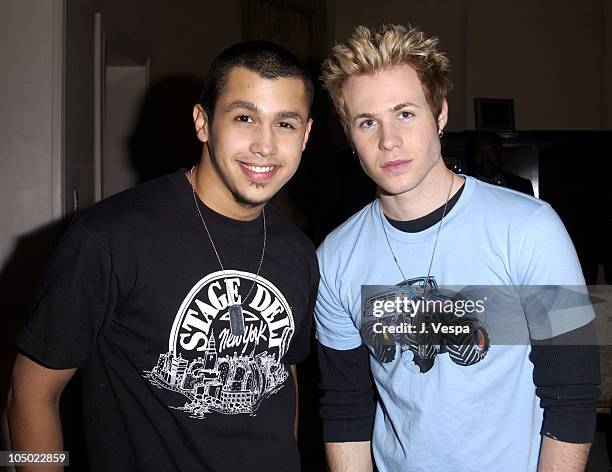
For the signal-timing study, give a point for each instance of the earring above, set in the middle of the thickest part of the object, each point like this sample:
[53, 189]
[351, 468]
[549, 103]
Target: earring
[355, 154]
[440, 133]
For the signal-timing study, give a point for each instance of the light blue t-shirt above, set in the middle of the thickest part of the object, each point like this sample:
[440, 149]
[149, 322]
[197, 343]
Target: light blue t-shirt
[453, 417]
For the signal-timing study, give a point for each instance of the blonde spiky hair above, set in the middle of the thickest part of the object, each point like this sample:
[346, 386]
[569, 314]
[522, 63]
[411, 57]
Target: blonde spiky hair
[367, 52]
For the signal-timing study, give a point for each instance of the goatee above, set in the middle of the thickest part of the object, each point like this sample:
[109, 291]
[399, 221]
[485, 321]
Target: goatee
[245, 201]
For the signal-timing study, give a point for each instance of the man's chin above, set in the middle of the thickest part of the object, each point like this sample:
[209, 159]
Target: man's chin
[393, 190]
[249, 202]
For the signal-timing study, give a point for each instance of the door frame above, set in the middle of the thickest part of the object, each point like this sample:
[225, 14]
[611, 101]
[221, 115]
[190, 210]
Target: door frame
[104, 36]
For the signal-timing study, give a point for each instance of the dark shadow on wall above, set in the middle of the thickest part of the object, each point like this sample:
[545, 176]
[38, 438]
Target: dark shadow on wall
[164, 138]
[18, 281]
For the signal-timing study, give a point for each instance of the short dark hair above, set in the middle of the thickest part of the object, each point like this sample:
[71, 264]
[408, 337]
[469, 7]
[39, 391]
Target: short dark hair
[267, 59]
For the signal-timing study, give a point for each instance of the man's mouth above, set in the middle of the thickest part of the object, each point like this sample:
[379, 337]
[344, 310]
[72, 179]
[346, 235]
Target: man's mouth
[258, 173]
[396, 165]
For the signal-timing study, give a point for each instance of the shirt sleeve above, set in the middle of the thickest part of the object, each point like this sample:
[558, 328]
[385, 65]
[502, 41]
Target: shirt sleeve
[560, 319]
[347, 394]
[566, 375]
[553, 291]
[334, 326]
[300, 347]
[72, 301]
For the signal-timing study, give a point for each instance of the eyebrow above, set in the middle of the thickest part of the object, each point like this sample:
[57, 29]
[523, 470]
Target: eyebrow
[404, 105]
[397, 107]
[288, 115]
[281, 115]
[242, 104]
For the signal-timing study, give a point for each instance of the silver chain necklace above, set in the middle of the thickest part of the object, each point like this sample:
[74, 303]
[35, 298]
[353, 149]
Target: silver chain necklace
[433, 253]
[235, 311]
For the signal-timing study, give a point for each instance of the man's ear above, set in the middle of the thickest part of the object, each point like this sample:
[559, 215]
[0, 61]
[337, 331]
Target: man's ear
[200, 120]
[443, 116]
[307, 133]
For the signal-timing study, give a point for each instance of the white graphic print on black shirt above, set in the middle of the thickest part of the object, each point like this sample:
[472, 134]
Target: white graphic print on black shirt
[215, 370]
[109, 298]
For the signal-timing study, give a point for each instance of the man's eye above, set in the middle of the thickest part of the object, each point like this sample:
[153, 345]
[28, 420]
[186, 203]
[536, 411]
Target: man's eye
[367, 123]
[406, 115]
[243, 119]
[284, 124]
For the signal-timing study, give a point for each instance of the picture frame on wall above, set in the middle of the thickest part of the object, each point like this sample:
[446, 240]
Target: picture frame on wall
[494, 113]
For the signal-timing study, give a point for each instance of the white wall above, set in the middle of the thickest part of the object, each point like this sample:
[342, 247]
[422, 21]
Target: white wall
[28, 120]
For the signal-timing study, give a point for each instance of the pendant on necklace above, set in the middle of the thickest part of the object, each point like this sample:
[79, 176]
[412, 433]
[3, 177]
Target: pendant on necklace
[236, 320]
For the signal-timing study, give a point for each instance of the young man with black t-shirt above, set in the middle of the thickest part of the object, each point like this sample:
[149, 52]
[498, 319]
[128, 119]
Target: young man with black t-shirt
[185, 302]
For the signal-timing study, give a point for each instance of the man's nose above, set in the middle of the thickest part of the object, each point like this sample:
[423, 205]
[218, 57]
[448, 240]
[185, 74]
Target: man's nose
[389, 138]
[264, 142]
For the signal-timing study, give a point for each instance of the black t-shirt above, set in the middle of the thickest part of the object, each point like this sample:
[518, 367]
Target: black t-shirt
[134, 296]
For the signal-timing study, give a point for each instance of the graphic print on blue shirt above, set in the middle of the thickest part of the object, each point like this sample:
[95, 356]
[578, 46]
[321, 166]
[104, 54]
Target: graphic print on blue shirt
[420, 319]
[493, 239]
[214, 369]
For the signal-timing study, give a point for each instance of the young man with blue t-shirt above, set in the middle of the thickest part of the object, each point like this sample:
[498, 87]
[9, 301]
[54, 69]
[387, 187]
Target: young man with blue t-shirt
[486, 400]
